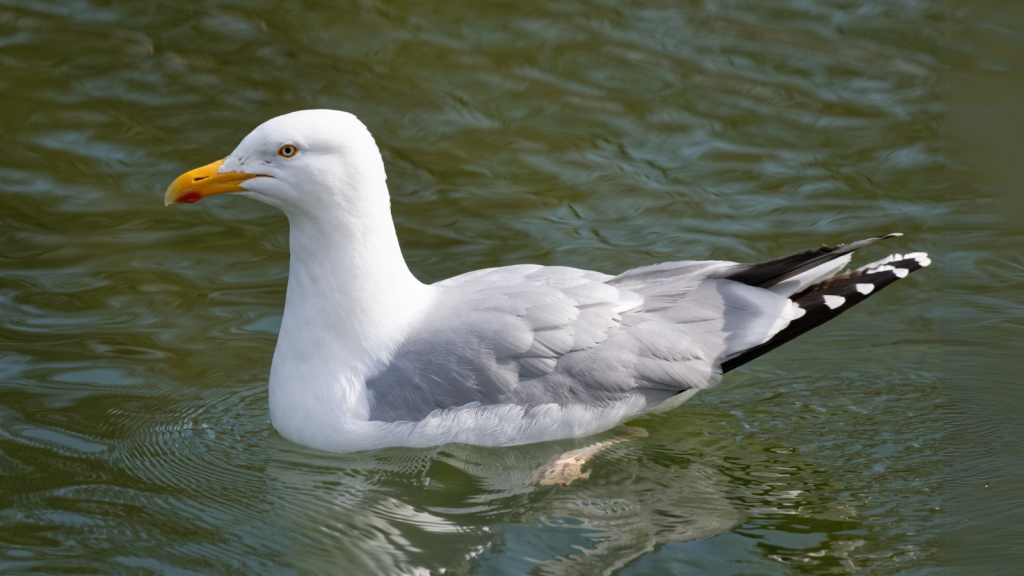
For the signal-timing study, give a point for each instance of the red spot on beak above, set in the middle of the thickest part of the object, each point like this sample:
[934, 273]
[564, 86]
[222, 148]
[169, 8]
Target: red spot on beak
[190, 197]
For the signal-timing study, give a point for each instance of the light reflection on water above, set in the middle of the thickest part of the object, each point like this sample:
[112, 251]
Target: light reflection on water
[134, 433]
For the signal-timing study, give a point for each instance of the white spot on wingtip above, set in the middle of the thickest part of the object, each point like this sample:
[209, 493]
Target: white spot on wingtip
[921, 257]
[834, 302]
[901, 272]
[865, 288]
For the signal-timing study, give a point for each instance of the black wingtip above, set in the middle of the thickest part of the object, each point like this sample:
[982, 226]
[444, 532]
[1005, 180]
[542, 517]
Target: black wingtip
[827, 299]
[769, 273]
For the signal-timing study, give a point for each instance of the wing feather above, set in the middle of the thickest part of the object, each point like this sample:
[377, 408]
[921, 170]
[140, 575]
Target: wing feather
[532, 335]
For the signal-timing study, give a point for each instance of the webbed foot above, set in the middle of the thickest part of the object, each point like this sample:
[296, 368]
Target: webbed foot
[566, 468]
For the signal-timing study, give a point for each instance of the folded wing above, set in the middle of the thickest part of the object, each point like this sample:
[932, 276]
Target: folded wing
[533, 335]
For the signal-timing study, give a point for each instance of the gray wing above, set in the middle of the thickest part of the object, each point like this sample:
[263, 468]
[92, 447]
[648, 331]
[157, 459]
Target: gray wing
[532, 335]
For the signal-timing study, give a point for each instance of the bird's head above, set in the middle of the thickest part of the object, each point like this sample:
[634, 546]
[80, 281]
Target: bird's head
[306, 162]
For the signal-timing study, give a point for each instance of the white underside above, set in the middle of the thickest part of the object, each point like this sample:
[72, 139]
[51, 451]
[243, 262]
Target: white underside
[496, 425]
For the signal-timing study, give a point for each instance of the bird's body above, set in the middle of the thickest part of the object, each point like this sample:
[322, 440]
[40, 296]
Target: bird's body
[368, 356]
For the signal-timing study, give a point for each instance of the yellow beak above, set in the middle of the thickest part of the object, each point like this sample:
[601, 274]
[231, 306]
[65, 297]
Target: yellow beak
[194, 185]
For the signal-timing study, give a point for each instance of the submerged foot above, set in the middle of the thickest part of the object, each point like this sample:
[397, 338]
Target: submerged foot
[565, 468]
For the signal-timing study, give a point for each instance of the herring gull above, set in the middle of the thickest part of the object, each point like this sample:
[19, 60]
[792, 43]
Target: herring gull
[368, 356]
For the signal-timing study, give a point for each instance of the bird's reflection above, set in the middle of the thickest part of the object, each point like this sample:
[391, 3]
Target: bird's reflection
[455, 508]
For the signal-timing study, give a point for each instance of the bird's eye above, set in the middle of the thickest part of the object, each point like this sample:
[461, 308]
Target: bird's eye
[287, 151]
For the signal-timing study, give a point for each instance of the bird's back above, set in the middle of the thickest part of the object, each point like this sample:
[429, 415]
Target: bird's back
[533, 335]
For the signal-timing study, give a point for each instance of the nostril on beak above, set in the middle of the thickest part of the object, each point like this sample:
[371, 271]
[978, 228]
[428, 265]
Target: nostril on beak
[198, 178]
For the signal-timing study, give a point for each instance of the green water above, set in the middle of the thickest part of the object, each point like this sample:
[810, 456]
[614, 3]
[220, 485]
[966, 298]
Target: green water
[135, 340]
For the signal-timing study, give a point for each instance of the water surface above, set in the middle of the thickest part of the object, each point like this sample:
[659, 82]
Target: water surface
[135, 340]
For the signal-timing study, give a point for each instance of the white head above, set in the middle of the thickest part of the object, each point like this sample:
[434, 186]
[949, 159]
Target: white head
[351, 298]
[312, 163]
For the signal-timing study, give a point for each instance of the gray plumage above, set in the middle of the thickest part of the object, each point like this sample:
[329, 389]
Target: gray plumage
[530, 335]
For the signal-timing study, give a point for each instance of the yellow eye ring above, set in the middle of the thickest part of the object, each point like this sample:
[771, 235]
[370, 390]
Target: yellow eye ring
[288, 150]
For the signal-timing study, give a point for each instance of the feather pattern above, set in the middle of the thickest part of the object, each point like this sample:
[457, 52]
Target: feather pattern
[532, 336]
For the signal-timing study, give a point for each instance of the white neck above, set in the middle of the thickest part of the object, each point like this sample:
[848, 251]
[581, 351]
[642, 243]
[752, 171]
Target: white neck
[351, 301]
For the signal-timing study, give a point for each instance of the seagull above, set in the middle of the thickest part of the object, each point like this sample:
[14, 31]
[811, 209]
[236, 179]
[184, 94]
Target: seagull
[368, 356]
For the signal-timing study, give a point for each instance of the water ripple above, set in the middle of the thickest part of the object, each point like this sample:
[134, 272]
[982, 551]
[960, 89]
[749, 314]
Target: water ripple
[136, 340]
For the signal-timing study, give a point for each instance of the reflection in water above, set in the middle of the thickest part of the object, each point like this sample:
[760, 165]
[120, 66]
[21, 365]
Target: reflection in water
[460, 507]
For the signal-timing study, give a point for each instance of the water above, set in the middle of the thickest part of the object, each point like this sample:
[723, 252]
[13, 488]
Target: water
[136, 339]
